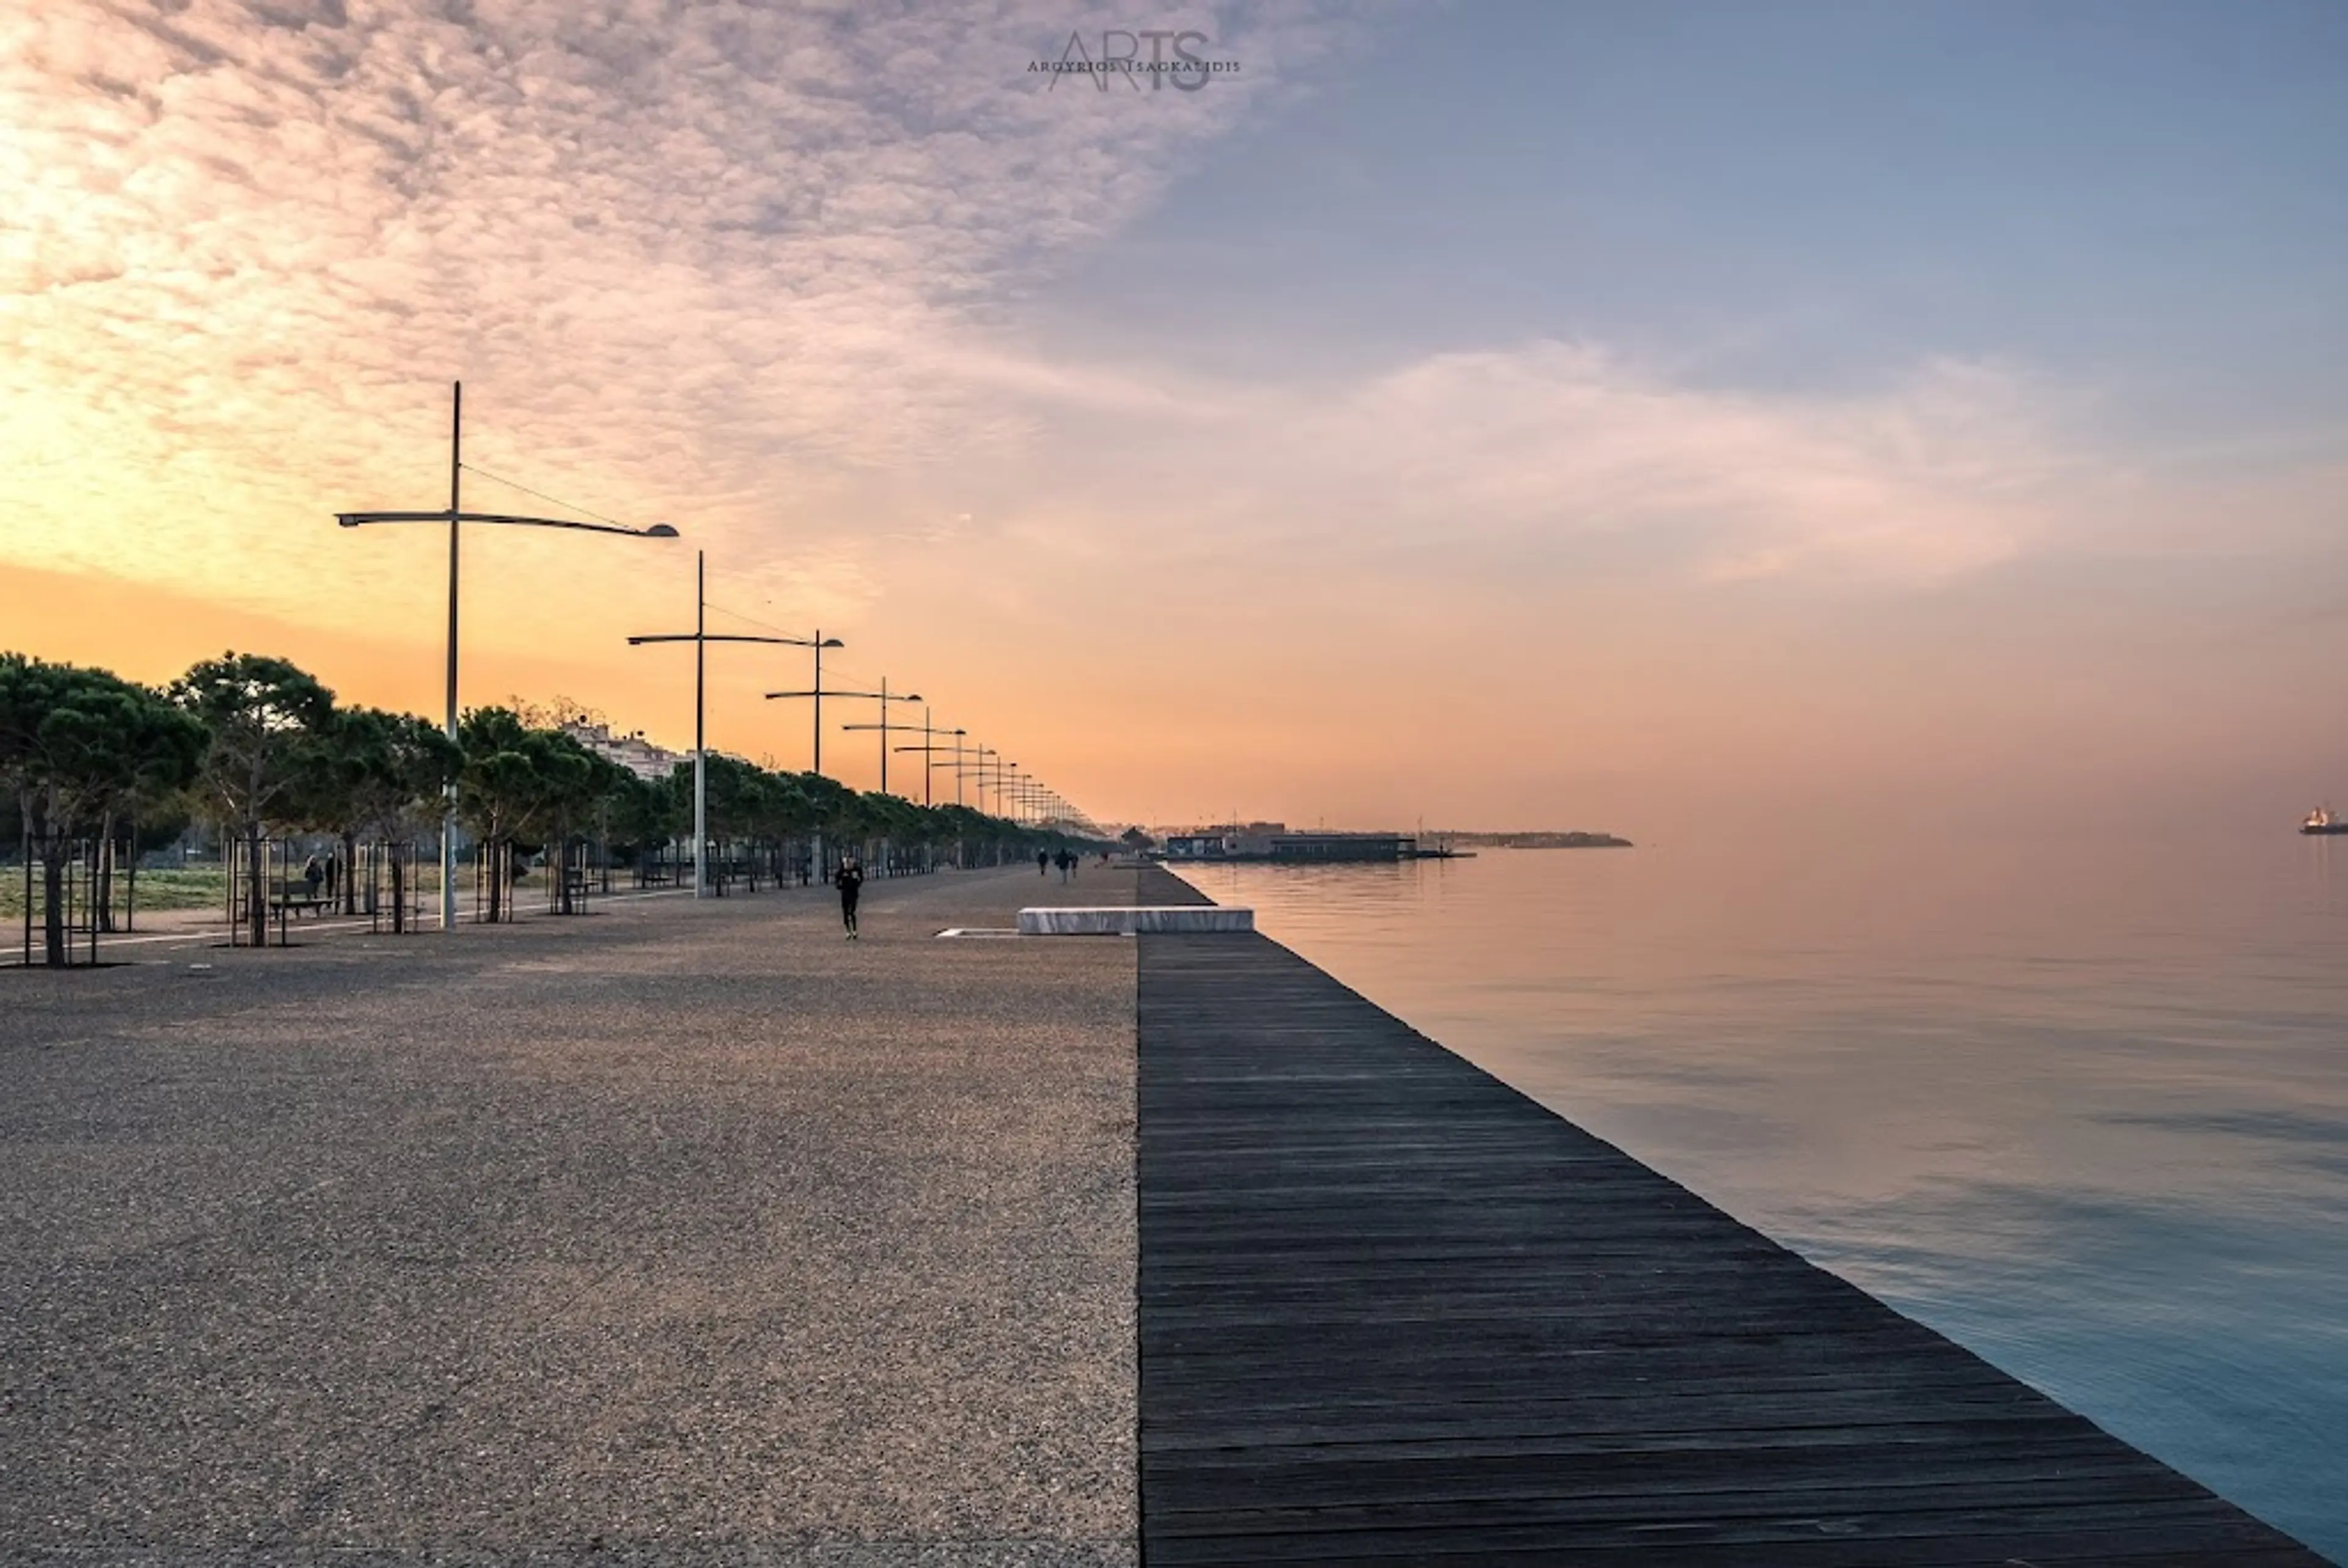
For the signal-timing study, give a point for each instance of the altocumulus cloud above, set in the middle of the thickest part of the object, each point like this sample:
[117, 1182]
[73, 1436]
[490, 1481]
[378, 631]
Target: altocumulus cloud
[696, 257]
[757, 272]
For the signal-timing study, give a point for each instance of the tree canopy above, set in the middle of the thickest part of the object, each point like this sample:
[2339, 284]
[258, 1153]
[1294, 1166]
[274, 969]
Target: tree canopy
[77, 748]
[261, 748]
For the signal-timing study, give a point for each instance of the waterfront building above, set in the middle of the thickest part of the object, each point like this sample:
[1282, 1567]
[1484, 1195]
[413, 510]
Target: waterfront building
[1318, 847]
[1211, 845]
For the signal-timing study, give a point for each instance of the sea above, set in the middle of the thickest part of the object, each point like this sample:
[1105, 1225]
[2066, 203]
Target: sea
[2080, 1104]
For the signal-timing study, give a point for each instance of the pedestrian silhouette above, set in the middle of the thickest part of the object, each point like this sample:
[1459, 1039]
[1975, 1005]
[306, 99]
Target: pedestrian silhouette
[850, 880]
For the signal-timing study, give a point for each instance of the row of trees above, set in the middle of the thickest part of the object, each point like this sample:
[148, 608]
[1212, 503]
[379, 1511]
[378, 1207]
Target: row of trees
[259, 747]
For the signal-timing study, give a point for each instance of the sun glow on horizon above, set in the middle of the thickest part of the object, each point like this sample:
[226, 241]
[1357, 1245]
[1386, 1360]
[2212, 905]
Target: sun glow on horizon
[801, 287]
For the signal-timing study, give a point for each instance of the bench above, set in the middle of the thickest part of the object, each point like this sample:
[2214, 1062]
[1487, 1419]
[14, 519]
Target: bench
[296, 897]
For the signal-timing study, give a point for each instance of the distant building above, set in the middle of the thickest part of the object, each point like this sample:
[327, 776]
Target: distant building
[1253, 837]
[1333, 847]
[633, 753]
[1214, 845]
[1222, 841]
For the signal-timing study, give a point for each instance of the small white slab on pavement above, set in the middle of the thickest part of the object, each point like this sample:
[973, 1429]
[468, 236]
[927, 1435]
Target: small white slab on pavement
[1126, 921]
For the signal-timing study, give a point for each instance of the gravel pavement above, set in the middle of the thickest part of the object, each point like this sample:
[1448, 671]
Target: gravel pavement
[672, 1233]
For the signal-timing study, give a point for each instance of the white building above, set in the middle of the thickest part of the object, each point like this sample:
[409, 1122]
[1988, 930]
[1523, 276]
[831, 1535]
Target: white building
[633, 753]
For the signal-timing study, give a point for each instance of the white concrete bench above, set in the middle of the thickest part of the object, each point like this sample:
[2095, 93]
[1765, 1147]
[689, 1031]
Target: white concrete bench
[1132, 921]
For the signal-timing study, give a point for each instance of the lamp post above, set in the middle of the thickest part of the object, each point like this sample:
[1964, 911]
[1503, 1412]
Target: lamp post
[818, 644]
[884, 726]
[989, 774]
[883, 698]
[453, 515]
[974, 769]
[976, 766]
[929, 733]
[701, 637]
[930, 748]
[979, 765]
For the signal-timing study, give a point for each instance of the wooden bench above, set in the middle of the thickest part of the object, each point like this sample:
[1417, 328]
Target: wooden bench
[296, 897]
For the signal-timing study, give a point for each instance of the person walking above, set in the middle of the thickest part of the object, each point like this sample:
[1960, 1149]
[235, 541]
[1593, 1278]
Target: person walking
[850, 880]
[1043, 863]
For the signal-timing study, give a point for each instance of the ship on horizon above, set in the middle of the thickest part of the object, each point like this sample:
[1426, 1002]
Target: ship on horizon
[2322, 820]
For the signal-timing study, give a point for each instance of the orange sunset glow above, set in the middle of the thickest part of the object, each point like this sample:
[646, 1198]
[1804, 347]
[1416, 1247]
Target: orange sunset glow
[1129, 431]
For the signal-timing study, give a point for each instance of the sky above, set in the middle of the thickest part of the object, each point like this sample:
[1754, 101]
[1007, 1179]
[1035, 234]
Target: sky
[1623, 416]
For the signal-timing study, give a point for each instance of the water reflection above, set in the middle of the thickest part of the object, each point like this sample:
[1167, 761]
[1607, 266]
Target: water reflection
[2078, 1104]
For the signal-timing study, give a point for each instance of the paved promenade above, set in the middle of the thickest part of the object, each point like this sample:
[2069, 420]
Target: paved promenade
[673, 1233]
[691, 1234]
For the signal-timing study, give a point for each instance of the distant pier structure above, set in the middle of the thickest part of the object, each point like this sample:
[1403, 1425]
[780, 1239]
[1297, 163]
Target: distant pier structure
[1316, 847]
[1282, 847]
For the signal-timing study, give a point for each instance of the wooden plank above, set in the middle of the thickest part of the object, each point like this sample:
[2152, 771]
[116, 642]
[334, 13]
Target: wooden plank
[1392, 1311]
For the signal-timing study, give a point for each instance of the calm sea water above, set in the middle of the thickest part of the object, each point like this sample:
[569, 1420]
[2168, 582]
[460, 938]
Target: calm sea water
[2082, 1106]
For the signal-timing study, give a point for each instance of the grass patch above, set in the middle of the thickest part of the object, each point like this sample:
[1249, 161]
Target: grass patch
[193, 887]
[187, 887]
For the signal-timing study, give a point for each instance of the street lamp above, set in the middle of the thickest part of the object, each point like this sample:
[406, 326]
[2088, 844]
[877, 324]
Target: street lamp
[976, 766]
[701, 637]
[929, 733]
[884, 726]
[819, 644]
[990, 774]
[453, 515]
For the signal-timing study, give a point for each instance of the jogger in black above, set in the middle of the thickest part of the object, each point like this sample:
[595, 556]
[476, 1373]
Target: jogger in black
[850, 880]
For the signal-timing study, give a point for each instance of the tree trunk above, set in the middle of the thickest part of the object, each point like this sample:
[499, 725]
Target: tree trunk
[102, 903]
[350, 863]
[256, 906]
[52, 889]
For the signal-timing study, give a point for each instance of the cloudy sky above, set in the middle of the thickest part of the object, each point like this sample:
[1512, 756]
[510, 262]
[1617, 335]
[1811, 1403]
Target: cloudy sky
[1556, 415]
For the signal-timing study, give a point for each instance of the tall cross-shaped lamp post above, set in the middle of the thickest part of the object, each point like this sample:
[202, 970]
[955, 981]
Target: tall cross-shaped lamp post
[929, 750]
[454, 516]
[990, 759]
[883, 697]
[701, 637]
[929, 733]
[974, 770]
[819, 644]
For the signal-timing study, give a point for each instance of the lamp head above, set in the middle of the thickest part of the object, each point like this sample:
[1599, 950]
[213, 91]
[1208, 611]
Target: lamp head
[831, 642]
[912, 697]
[660, 531]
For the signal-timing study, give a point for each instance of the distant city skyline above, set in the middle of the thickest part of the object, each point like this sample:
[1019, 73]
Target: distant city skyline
[1507, 417]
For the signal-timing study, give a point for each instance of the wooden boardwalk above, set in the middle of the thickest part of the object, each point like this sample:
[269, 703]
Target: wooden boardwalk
[1392, 1311]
